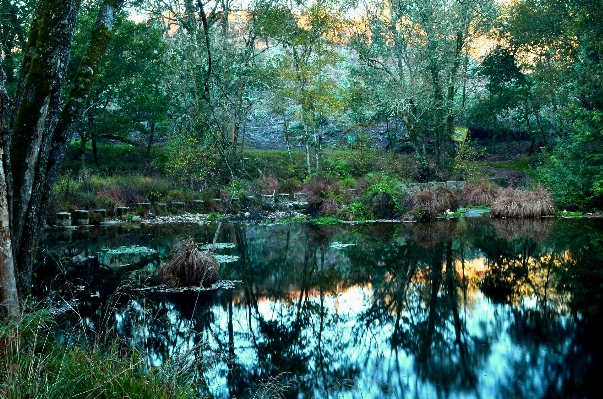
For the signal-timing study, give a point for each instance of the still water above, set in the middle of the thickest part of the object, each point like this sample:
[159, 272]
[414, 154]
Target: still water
[473, 308]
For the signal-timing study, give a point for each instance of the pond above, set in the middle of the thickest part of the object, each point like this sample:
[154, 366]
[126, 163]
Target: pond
[469, 308]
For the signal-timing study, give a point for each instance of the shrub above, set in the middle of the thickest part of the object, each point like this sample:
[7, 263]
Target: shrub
[356, 211]
[319, 188]
[381, 204]
[329, 207]
[514, 203]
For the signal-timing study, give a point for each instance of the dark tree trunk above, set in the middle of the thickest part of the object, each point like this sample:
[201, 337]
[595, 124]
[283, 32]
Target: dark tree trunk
[41, 132]
[34, 125]
[94, 150]
[78, 97]
[151, 139]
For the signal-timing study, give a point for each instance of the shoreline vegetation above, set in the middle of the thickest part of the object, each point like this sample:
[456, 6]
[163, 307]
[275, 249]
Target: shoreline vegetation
[274, 190]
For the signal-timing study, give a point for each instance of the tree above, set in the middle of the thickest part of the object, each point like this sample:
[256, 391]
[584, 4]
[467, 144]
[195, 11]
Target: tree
[415, 53]
[9, 299]
[15, 16]
[41, 127]
[128, 92]
[560, 44]
[304, 65]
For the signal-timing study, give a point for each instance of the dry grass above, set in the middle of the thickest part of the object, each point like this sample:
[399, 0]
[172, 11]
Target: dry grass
[189, 267]
[513, 203]
[536, 229]
[478, 194]
[426, 204]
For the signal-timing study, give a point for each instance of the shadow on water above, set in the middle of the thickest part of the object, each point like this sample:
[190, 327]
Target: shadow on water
[462, 308]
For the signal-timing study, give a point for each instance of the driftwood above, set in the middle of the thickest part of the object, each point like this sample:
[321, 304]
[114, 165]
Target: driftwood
[190, 267]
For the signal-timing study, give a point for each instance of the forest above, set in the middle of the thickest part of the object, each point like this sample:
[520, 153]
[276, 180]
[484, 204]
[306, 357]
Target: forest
[109, 103]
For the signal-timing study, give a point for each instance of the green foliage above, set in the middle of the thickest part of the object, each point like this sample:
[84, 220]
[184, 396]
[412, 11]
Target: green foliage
[355, 212]
[193, 161]
[565, 213]
[464, 164]
[212, 216]
[521, 164]
[573, 170]
[326, 220]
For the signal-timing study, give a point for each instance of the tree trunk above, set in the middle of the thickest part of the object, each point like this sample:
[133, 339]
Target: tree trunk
[151, 139]
[78, 97]
[34, 125]
[9, 298]
[308, 162]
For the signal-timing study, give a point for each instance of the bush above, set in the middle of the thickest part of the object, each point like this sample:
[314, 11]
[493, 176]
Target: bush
[355, 212]
[513, 203]
[318, 189]
[329, 207]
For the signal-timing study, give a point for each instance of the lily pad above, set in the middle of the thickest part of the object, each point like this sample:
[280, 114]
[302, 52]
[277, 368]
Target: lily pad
[339, 245]
[218, 245]
[226, 284]
[226, 258]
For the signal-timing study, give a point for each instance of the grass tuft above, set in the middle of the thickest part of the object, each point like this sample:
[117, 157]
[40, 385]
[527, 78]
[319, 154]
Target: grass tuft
[514, 203]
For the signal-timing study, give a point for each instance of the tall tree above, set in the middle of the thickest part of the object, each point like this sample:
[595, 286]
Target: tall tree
[305, 62]
[414, 52]
[560, 46]
[41, 125]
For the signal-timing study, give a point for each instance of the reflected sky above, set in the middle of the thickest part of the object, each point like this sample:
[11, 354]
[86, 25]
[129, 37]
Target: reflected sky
[452, 309]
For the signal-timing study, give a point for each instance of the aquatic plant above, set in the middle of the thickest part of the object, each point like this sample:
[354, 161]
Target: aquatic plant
[189, 266]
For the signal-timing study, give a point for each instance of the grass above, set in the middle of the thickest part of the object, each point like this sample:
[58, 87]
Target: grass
[521, 164]
[565, 213]
[326, 220]
[33, 364]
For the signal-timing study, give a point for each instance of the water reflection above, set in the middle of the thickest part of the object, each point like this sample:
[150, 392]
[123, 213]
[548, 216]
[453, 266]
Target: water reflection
[467, 308]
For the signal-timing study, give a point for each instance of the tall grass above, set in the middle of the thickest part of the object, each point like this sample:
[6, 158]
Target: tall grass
[478, 194]
[33, 364]
[426, 204]
[514, 203]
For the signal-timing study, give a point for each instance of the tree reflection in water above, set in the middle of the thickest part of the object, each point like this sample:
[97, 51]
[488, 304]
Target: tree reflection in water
[467, 308]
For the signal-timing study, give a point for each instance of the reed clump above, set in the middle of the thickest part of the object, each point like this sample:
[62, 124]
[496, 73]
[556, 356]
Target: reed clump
[189, 267]
[515, 203]
[426, 204]
[478, 194]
